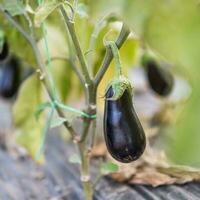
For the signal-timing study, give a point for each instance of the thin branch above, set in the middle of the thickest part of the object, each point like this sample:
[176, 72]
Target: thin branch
[40, 63]
[80, 55]
[97, 29]
[72, 65]
[85, 130]
[109, 55]
[93, 137]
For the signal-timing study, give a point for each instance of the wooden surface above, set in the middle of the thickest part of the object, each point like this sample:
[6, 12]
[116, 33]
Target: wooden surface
[22, 179]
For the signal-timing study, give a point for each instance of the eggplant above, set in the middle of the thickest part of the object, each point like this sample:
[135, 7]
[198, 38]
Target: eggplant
[159, 78]
[4, 52]
[9, 78]
[123, 132]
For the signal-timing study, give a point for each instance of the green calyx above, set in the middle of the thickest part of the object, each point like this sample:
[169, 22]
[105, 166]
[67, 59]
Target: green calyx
[119, 85]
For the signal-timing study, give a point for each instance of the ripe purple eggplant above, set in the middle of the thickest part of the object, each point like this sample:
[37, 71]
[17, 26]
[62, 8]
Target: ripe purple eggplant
[4, 51]
[123, 132]
[160, 79]
[9, 78]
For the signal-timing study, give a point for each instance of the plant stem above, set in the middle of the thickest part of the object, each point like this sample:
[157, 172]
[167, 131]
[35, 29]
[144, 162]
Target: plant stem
[72, 64]
[90, 92]
[71, 28]
[109, 55]
[41, 66]
[91, 96]
[46, 84]
[84, 153]
[85, 173]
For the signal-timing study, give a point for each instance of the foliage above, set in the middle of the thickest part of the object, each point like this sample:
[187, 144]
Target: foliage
[171, 28]
[24, 110]
[108, 167]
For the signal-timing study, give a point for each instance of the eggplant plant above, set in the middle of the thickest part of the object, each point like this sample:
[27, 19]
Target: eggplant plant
[89, 82]
[160, 79]
[29, 26]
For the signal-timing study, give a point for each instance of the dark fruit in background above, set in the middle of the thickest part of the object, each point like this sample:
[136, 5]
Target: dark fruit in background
[9, 78]
[4, 52]
[123, 132]
[159, 78]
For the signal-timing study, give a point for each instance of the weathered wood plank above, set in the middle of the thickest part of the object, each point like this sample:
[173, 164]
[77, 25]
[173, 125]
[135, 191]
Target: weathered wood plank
[22, 179]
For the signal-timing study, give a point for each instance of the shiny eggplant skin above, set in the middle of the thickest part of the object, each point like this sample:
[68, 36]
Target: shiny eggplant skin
[160, 79]
[5, 51]
[123, 132]
[9, 78]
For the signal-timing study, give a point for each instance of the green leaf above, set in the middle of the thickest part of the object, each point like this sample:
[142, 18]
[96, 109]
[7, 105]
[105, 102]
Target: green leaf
[108, 167]
[63, 76]
[84, 30]
[44, 10]
[75, 158]
[57, 121]
[14, 7]
[29, 129]
[128, 54]
[18, 44]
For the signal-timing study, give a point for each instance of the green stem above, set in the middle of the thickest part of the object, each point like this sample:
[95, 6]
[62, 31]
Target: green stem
[91, 96]
[97, 29]
[85, 173]
[109, 55]
[95, 33]
[94, 125]
[85, 156]
[90, 92]
[71, 28]
[117, 59]
[72, 65]
[75, 5]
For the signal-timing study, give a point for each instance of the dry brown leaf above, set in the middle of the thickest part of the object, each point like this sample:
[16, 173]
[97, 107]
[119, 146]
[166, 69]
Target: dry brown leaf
[152, 169]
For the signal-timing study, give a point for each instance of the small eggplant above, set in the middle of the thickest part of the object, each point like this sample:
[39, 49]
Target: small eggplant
[4, 51]
[123, 132]
[159, 78]
[9, 78]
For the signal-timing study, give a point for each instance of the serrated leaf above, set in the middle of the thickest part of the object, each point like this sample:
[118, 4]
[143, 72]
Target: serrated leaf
[108, 167]
[75, 158]
[44, 10]
[14, 7]
[57, 121]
